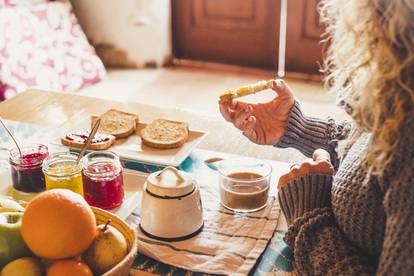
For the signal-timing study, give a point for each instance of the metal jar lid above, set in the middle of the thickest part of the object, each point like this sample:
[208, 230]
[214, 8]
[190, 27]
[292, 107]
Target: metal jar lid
[170, 183]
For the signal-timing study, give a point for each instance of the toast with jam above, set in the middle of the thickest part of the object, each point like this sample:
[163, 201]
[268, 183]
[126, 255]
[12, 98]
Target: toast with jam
[165, 134]
[101, 141]
[117, 123]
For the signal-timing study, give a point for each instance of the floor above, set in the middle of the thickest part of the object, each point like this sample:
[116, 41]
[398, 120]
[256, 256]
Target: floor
[197, 89]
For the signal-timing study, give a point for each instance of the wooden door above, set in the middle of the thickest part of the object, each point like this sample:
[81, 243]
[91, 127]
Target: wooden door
[304, 50]
[242, 32]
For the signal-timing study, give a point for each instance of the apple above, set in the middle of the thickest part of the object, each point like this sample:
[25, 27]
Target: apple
[107, 250]
[24, 266]
[12, 245]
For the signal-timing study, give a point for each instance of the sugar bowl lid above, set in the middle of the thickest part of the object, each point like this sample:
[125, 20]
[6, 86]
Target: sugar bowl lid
[170, 182]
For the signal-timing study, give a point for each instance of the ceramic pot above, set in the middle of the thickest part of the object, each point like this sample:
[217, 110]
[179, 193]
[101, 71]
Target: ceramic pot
[171, 206]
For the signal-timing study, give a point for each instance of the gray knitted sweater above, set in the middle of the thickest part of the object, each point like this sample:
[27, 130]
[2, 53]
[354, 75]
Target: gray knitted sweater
[353, 223]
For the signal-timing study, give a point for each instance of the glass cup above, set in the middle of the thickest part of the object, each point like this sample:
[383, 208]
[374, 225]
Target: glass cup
[26, 170]
[244, 184]
[103, 183]
[62, 172]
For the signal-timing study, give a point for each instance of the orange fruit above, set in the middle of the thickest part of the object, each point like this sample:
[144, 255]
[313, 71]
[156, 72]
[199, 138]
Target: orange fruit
[58, 224]
[69, 268]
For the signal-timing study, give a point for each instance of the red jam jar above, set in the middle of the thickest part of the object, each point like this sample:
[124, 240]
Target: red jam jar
[103, 184]
[26, 170]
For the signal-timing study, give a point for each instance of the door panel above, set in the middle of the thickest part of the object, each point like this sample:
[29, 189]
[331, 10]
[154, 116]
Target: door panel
[225, 9]
[304, 50]
[242, 32]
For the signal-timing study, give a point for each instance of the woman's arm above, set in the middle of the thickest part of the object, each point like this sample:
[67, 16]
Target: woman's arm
[308, 134]
[321, 249]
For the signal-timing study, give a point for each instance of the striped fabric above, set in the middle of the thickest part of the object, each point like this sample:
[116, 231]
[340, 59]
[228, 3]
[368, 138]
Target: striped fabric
[230, 243]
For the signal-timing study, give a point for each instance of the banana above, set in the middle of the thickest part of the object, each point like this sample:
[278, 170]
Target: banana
[8, 205]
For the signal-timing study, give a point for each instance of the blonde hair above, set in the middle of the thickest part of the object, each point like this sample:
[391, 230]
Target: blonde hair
[370, 62]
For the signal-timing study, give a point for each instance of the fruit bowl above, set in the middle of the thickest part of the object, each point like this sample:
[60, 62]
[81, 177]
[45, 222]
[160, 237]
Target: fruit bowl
[130, 235]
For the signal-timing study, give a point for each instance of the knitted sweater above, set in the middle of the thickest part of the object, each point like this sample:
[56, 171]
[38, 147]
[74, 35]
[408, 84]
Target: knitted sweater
[353, 223]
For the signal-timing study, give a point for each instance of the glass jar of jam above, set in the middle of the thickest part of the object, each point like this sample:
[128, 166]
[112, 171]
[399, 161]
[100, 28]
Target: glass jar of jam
[62, 172]
[103, 183]
[26, 170]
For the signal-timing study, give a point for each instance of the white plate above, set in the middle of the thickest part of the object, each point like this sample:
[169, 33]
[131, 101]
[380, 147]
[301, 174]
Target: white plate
[133, 183]
[132, 149]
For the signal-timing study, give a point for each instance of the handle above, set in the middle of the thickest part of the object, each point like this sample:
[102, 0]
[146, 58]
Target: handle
[11, 136]
[174, 171]
[89, 140]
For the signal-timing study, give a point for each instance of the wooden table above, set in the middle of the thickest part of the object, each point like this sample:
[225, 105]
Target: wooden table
[65, 110]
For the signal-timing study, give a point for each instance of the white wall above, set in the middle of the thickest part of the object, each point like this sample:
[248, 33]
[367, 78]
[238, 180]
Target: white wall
[140, 28]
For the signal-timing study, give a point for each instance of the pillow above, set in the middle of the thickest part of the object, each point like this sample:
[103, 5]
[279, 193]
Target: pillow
[42, 45]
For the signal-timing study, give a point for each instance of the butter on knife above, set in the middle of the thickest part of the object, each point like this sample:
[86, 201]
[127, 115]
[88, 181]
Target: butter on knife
[246, 90]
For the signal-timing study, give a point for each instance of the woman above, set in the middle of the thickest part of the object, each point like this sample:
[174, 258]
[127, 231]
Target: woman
[360, 219]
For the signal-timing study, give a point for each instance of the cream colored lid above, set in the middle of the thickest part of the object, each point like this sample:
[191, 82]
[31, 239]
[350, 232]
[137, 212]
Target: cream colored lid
[170, 182]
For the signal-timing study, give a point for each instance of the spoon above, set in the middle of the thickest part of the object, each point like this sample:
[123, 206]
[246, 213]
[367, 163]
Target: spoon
[11, 135]
[212, 163]
[89, 140]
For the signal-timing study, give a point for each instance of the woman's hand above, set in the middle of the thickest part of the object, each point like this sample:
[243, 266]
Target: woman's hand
[262, 123]
[319, 164]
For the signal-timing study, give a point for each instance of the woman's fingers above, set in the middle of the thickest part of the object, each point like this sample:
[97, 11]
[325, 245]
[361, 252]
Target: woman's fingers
[320, 154]
[234, 111]
[240, 119]
[239, 106]
[309, 166]
[323, 161]
[282, 89]
[249, 129]
[324, 167]
[290, 176]
[225, 111]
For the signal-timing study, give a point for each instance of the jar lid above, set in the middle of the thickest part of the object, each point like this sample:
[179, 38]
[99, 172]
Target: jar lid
[170, 182]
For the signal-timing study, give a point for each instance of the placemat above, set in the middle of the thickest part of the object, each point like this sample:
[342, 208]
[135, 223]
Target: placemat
[230, 243]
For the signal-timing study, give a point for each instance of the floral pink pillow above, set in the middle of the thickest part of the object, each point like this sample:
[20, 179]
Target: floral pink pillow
[42, 45]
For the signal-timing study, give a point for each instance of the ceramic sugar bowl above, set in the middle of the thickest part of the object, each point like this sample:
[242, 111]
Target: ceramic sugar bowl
[171, 207]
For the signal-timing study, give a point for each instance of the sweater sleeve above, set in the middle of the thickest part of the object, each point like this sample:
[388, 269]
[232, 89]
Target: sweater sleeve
[320, 248]
[307, 134]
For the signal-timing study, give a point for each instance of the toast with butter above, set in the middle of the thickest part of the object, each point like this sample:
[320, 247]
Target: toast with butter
[246, 90]
[117, 123]
[164, 134]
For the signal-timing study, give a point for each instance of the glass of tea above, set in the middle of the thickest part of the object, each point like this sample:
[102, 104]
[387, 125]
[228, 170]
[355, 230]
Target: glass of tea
[244, 184]
[103, 184]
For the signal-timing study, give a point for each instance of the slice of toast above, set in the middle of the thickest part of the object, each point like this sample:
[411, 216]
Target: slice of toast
[246, 90]
[165, 134]
[117, 123]
[78, 140]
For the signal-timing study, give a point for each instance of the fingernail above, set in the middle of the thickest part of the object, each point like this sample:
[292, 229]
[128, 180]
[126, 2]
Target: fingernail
[280, 83]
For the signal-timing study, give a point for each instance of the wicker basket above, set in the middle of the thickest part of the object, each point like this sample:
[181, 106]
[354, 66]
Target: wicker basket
[130, 235]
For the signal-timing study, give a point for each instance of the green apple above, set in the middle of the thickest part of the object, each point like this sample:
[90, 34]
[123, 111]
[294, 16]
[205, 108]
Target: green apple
[12, 245]
[23, 267]
[107, 250]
